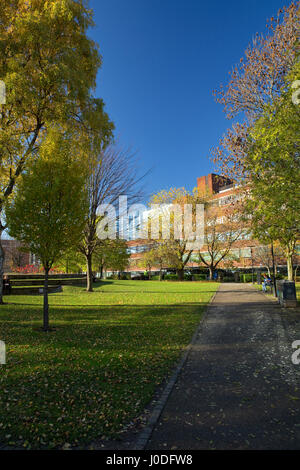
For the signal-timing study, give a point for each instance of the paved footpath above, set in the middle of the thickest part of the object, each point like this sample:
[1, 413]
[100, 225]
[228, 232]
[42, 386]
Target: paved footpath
[238, 388]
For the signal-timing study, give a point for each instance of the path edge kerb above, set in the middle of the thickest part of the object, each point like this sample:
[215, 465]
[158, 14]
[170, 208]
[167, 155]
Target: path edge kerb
[144, 436]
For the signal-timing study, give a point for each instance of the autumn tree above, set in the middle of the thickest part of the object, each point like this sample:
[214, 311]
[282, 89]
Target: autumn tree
[222, 228]
[16, 254]
[262, 151]
[255, 83]
[147, 261]
[157, 257]
[111, 254]
[264, 256]
[47, 212]
[274, 164]
[71, 261]
[49, 67]
[167, 215]
[113, 173]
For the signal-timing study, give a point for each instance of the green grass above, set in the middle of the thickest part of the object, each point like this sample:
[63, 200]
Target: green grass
[269, 292]
[260, 287]
[101, 366]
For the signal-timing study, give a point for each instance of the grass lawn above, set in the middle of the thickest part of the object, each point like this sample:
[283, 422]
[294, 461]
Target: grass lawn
[101, 366]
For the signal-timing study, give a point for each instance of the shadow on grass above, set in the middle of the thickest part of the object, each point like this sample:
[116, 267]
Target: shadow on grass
[156, 292]
[94, 373]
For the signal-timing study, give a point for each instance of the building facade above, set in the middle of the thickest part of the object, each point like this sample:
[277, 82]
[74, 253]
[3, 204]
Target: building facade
[15, 258]
[246, 252]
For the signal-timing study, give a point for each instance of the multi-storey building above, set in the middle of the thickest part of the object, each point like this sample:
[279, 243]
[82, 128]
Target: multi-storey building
[223, 193]
[246, 250]
[15, 257]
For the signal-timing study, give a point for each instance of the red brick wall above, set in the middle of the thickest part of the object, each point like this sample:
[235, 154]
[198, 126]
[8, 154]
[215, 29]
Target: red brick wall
[13, 256]
[212, 183]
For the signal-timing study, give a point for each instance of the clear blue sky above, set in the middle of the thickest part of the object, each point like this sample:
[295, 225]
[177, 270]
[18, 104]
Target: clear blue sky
[161, 61]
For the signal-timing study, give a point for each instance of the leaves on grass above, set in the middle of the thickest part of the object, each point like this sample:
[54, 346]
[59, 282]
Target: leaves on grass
[98, 370]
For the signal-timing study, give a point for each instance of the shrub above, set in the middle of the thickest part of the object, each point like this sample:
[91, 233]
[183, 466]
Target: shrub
[199, 277]
[125, 277]
[171, 277]
[247, 277]
[33, 269]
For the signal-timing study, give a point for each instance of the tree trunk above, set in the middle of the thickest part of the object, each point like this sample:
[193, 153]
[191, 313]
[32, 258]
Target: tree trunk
[1, 270]
[160, 275]
[149, 275]
[211, 273]
[89, 273]
[101, 272]
[180, 274]
[274, 272]
[289, 260]
[46, 305]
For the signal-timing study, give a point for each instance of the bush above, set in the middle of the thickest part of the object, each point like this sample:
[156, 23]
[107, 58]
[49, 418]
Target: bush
[171, 277]
[125, 277]
[199, 277]
[247, 277]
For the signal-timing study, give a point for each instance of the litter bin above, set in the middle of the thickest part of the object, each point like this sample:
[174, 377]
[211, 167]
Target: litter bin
[286, 291]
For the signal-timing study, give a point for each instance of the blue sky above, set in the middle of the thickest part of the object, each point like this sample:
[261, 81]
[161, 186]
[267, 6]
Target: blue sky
[161, 61]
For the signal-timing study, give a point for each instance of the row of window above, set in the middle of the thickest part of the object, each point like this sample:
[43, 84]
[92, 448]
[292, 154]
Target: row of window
[137, 249]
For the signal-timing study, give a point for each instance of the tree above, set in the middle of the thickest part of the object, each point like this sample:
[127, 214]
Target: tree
[157, 257]
[47, 213]
[263, 254]
[16, 254]
[170, 235]
[147, 262]
[263, 151]
[222, 229]
[49, 67]
[112, 174]
[101, 257]
[177, 256]
[111, 254]
[274, 164]
[255, 83]
[71, 261]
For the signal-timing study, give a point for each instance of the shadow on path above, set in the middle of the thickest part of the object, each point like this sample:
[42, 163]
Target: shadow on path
[239, 388]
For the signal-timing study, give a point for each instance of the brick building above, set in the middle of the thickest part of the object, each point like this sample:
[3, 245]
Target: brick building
[15, 257]
[247, 252]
